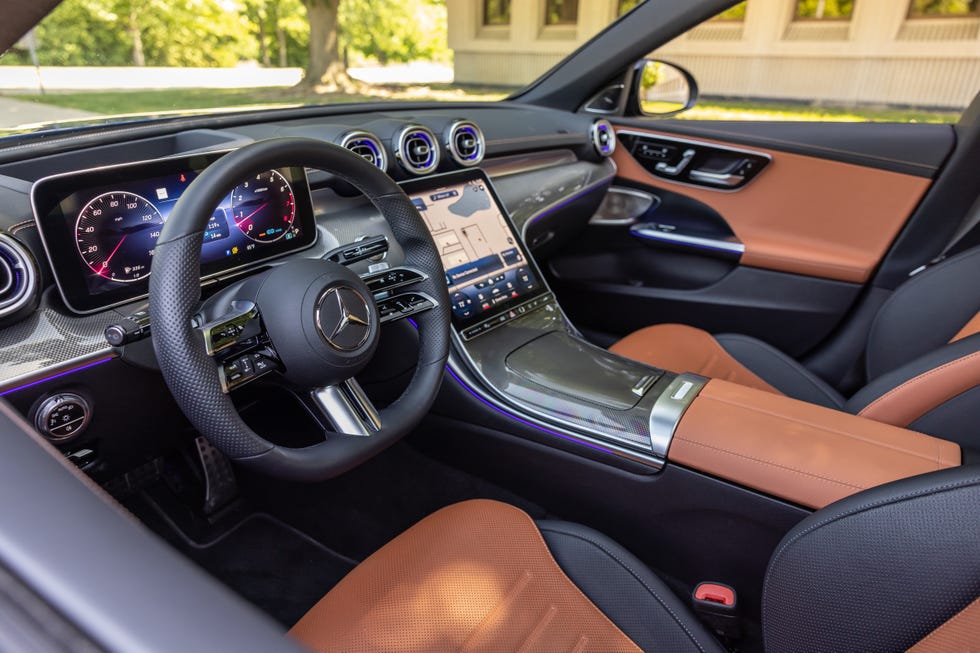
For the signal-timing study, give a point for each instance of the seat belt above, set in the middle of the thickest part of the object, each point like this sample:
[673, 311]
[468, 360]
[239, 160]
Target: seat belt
[964, 229]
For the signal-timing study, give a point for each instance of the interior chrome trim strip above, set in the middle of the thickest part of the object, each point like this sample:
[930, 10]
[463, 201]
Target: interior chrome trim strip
[670, 408]
[648, 232]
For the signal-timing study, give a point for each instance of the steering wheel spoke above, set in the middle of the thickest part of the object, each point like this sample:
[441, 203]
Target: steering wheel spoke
[347, 408]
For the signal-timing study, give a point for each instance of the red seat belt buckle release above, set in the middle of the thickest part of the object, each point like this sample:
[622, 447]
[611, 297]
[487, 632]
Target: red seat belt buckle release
[716, 604]
[715, 593]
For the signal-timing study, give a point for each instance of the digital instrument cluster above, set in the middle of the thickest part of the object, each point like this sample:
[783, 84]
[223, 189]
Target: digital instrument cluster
[100, 227]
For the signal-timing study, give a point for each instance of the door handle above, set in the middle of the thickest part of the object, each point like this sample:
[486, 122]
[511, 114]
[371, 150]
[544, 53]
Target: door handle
[729, 180]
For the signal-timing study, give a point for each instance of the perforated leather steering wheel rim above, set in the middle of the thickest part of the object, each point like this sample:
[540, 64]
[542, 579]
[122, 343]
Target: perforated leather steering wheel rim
[175, 294]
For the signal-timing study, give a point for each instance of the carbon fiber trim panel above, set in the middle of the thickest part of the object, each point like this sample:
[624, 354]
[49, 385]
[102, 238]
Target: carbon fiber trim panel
[48, 340]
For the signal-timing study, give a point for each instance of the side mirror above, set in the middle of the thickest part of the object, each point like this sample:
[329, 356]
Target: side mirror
[662, 89]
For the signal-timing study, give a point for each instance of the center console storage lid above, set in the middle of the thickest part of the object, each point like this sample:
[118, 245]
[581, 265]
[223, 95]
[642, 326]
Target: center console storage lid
[797, 451]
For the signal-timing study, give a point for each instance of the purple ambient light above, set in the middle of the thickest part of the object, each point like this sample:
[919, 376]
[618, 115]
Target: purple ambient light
[524, 421]
[56, 376]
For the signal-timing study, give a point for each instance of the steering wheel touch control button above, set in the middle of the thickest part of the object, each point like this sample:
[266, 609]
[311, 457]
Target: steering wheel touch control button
[62, 416]
[403, 305]
[240, 324]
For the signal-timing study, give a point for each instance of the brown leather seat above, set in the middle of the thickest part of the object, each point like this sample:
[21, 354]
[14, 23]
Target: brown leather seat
[483, 576]
[921, 364]
[479, 576]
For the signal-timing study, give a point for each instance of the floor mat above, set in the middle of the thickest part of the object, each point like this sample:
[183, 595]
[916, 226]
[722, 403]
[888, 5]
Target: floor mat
[277, 568]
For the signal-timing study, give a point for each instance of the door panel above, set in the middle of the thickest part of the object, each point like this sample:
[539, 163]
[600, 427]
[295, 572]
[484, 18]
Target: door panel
[805, 215]
[803, 237]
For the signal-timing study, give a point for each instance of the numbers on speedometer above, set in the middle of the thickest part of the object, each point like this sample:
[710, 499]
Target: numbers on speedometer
[116, 233]
[263, 207]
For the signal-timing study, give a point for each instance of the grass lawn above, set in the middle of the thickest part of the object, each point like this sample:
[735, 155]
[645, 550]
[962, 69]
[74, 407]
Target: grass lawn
[125, 102]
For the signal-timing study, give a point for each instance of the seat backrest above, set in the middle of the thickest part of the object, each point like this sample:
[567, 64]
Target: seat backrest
[926, 312]
[881, 571]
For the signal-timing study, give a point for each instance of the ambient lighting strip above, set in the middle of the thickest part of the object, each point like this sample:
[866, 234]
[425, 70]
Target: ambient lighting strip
[524, 421]
[57, 375]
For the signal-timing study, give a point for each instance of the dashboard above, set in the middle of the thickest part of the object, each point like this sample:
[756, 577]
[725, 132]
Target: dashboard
[78, 225]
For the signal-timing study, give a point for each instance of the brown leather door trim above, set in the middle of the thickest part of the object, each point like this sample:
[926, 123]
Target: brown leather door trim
[798, 451]
[804, 215]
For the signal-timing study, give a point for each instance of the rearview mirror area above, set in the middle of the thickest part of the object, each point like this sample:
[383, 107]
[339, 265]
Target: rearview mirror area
[662, 88]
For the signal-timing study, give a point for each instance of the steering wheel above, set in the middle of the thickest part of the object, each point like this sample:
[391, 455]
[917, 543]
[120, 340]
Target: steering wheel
[313, 320]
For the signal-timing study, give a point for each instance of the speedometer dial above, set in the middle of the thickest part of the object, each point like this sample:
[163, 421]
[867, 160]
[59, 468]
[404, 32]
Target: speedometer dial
[116, 233]
[264, 207]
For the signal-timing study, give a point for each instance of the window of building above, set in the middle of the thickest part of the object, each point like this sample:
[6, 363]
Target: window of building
[943, 8]
[496, 12]
[824, 9]
[626, 5]
[735, 13]
[561, 12]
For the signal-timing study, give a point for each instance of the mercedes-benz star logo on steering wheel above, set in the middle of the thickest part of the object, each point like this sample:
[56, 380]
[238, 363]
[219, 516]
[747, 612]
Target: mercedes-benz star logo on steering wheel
[343, 318]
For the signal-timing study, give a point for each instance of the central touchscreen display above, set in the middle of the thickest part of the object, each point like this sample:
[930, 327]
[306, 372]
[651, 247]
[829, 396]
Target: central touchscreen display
[486, 269]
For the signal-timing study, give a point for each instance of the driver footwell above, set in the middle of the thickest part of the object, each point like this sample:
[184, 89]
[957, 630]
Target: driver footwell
[283, 545]
[277, 568]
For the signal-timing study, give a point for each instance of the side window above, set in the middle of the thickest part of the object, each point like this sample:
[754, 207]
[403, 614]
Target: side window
[852, 60]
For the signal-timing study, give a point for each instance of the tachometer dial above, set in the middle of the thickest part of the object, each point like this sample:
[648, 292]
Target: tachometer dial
[116, 233]
[264, 207]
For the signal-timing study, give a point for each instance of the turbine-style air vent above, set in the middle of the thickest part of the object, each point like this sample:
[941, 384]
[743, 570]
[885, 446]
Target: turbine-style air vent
[368, 147]
[417, 150]
[603, 137]
[18, 276]
[465, 143]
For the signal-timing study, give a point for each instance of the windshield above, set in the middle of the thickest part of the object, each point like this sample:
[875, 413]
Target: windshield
[111, 59]
[125, 60]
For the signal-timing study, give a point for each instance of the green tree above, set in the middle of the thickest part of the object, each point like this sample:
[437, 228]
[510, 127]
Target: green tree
[395, 30]
[142, 32]
[325, 67]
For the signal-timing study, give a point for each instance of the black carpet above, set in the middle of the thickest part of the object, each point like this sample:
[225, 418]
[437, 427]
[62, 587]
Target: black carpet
[277, 568]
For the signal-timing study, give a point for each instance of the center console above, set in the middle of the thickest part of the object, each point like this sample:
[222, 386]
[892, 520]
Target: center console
[515, 349]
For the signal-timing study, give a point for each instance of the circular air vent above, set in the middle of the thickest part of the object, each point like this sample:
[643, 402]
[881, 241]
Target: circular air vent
[368, 147]
[18, 276]
[417, 150]
[465, 143]
[603, 137]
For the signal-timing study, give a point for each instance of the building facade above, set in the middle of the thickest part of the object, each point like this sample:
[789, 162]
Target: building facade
[923, 53]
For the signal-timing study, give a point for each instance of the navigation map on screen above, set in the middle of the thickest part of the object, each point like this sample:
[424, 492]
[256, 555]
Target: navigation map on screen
[485, 269]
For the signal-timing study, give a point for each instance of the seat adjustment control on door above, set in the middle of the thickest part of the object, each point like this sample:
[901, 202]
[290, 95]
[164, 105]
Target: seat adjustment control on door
[694, 162]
